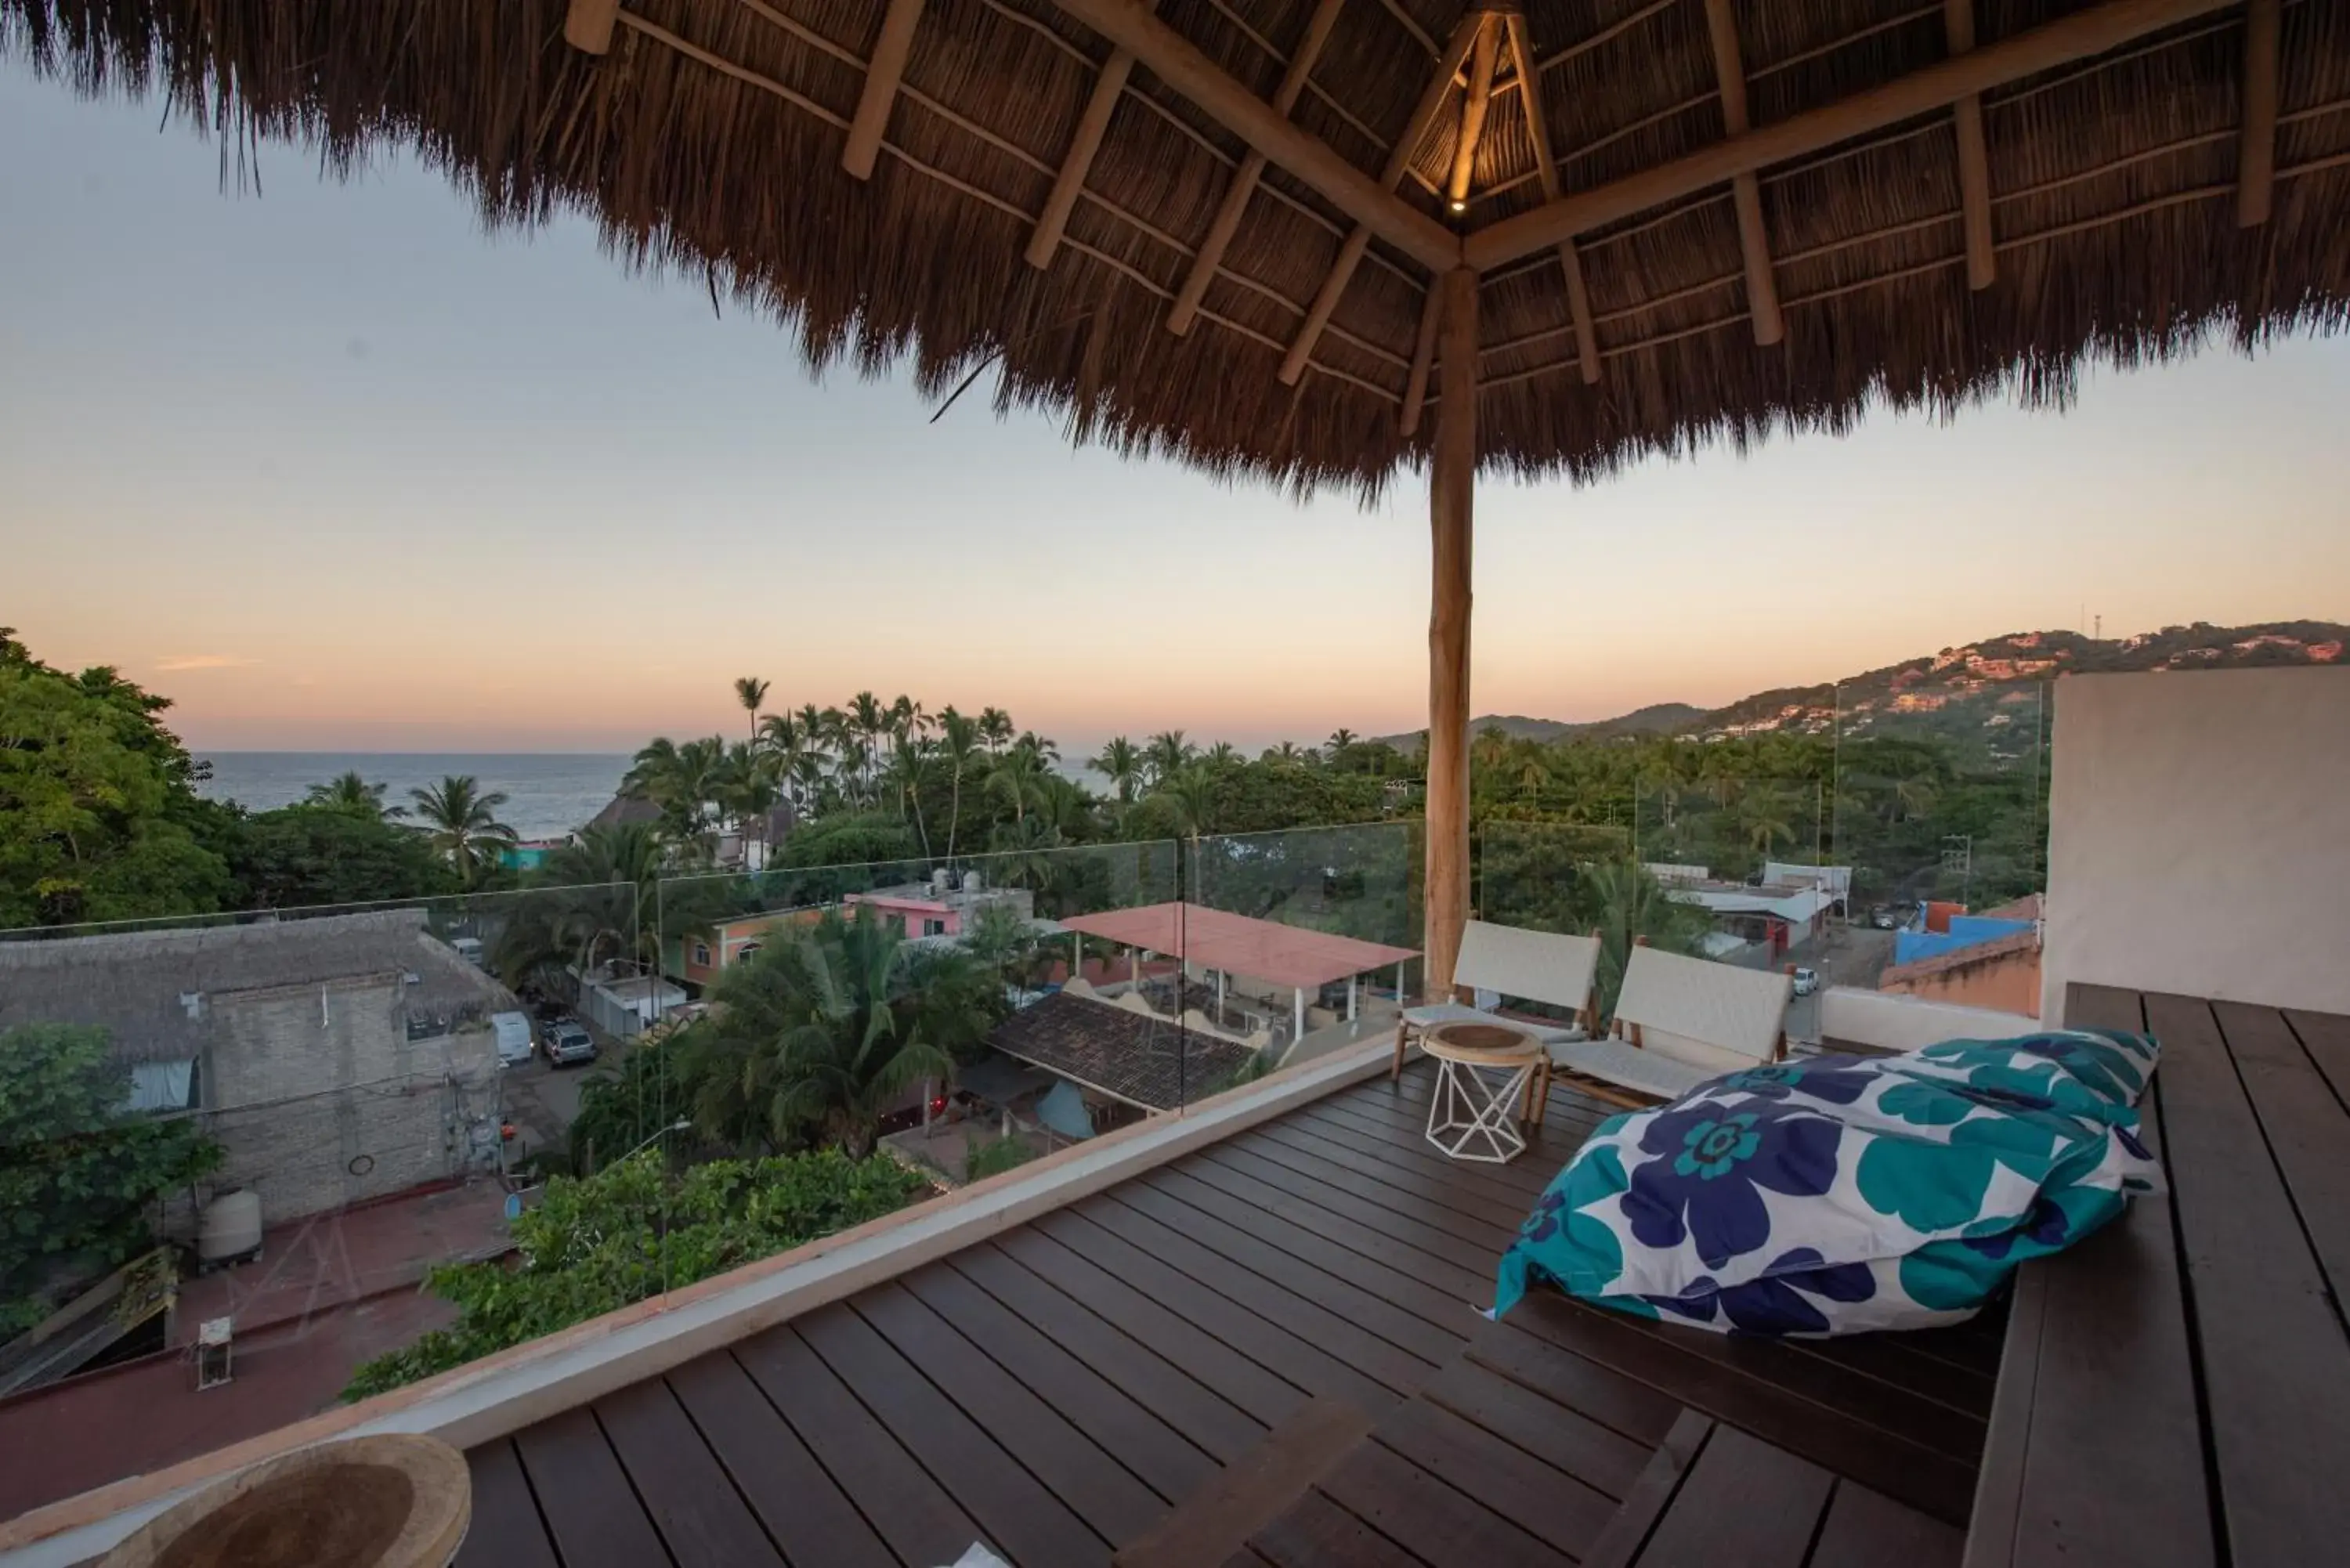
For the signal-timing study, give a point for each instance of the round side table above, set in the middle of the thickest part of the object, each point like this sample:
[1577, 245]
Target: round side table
[366, 1503]
[1480, 1076]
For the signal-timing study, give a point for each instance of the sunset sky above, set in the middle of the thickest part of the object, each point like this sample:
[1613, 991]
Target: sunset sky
[337, 469]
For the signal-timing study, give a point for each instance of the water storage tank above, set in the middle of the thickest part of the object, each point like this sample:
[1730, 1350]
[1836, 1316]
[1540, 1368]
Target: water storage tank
[941, 881]
[972, 882]
[230, 1229]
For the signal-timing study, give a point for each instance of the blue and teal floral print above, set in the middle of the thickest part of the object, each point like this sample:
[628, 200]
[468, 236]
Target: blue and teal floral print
[1841, 1194]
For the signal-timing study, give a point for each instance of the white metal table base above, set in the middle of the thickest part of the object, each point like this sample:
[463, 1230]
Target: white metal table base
[1473, 1116]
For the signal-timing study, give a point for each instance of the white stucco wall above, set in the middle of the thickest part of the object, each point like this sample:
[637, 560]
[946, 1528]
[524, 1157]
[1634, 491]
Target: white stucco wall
[2200, 836]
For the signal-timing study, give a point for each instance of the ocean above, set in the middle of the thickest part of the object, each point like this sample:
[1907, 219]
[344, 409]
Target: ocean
[547, 796]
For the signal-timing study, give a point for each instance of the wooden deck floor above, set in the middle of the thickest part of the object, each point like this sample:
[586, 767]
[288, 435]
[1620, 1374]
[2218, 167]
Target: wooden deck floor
[1056, 1392]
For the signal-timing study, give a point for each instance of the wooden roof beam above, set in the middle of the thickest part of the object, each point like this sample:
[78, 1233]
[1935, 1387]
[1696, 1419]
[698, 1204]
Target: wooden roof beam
[1175, 60]
[1974, 158]
[1351, 254]
[1091, 126]
[1227, 222]
[588, 24]
[1423, 357]
[880, 92]
[1578, 298]
[1474, 109]
[2075, 37]
[2256, 166]
[1753, 240]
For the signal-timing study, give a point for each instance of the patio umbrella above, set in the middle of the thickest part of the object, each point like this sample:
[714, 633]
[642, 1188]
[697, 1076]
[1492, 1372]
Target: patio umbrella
[1260, 236]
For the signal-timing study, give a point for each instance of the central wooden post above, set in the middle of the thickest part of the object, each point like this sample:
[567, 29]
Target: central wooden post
[1452, 488]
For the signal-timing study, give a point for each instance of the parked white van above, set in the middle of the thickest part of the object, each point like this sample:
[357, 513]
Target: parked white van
[514, 1037]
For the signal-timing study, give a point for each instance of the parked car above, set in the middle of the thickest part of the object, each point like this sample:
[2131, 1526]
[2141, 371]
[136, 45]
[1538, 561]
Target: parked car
[512, 1031]
[1807, 980]
[568, 1041]
[1881, 916]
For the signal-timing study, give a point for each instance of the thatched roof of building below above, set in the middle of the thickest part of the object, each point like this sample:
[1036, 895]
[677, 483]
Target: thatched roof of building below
[1211, 230]
[1129, 1056]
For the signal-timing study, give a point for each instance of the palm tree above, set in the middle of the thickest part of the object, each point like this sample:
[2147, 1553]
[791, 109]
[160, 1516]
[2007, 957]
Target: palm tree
[958, 740]
[994, 728]
[1017, 780]
[750, 692]
[1189, 795]
[1166, 753]
[1342, 740]
[823, 1029]
[596, 901]
[910, 755]
[1224, 755]
[868, 718]
[1628, 904]
[747, 790]
[352, 793]
[461, 822]
[1120, 760]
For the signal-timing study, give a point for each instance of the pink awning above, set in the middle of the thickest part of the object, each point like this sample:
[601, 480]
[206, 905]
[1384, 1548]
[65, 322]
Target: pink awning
[1261, 950]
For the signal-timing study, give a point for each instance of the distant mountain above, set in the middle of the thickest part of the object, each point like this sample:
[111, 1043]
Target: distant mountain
[1656, 719]
[1989, 690]
[1986, 691]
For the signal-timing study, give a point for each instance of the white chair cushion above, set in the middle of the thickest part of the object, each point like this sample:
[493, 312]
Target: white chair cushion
[1718, 1005]
[1534, 966]
[1628, 1066]
[1438, 1014]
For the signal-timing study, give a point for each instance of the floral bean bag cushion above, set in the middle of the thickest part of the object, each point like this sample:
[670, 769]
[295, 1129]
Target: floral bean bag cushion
[1842, 1194]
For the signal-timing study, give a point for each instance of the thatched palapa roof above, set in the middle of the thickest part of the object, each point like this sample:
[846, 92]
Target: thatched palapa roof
[1691, 219]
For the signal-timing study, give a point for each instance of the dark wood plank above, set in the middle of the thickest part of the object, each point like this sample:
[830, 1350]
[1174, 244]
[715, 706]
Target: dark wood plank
[506, 1530]
[1652, 1493]
[1869, 1529]
[1746, 1504]
[1599, 1392]
[2308, 1131]
[1427, 1517]
[1393, 1305]
[2095, 1449]
[1218, 1520]
[1208, 1421]
[905, 1506]
[1490, 1214]
[1252, 1315]
[1472, 1258]
[584, 1495]
[1554, 1507]
[702, 1519]
[1249, 1385]
[1476, 1235]
[1030, 1523]
[1517, 1183]
[1316, 1533]
[1888, 1359]
[1110, 1421]
[1438, 1273]
[1727, 1381]
[1564, 1439]
[2276, 1366]
[804, 1512]
[2326, 1037]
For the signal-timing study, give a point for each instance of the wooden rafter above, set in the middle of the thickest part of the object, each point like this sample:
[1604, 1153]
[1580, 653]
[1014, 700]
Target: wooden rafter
[1179, 64]
[1423, 357]
[588, 24]
[1350, 253]
[1474, 106]
[2256, 165]
[1974, 157]
[2078, 36]
[1091, 126]
[1234, 206]
[1578, 298]
[880, 91]
[1746, 190]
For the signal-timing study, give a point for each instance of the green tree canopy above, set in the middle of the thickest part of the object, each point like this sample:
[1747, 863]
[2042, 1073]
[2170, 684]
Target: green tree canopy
[332, 854]
[631, 1231]
[99, 814]
[79, 1172]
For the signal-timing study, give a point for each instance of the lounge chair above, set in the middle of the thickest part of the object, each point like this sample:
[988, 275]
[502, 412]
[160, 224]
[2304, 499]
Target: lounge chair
[1679, 1021]
[1531, 966]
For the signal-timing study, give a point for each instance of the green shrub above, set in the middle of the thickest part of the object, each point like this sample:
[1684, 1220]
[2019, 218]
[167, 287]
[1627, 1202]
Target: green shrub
[632, 1231]
[996, 1155]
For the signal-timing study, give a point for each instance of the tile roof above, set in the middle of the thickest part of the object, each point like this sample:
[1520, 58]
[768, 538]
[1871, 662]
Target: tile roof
[1130, 1056]
[1261, 950]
